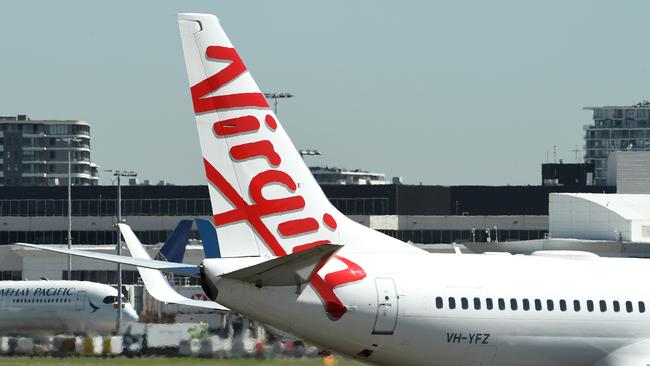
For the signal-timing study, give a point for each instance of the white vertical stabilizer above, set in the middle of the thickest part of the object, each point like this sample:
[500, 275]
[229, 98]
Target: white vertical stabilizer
[264, 198]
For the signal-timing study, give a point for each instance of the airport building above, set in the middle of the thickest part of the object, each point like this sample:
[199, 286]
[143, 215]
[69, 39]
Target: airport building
[426, 214]
[615, 128]
[618, 217]
[35, 152]
[419, 214]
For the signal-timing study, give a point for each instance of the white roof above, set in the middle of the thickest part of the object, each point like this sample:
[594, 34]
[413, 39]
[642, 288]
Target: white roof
[628, 206]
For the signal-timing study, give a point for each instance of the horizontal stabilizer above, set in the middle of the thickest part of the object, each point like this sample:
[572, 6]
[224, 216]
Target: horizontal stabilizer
[156, 284]
[177, 268]
[293, 269]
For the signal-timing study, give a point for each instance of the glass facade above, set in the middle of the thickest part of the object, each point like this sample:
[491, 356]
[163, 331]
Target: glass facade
[24, 208]
[90, 237]
[106, 207]
[362, 206]
[463, 236]
[11, 275]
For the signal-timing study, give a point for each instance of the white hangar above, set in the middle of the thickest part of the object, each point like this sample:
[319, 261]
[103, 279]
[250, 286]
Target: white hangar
[592, 216]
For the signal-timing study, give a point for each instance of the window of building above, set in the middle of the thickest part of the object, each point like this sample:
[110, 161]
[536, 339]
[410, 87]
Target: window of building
[11, 275]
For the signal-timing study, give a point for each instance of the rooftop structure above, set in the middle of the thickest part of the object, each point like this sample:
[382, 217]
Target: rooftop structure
[615, 128]
[327, 175]
[35, 152]
[629, 171]
[567, 174]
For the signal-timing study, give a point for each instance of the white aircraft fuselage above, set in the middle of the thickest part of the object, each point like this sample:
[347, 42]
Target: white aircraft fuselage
[57, 307]
[393, 318]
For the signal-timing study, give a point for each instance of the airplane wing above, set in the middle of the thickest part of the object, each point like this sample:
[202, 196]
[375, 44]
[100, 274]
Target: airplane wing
[153, 279]
[177, 268]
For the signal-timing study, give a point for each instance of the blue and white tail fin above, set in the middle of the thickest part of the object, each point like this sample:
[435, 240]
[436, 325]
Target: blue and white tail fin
[209, 238]
[174, 248]
[265, 200]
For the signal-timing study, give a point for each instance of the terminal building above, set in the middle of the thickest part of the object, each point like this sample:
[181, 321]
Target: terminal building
[419, 214]
[423, 214]
[35, 152]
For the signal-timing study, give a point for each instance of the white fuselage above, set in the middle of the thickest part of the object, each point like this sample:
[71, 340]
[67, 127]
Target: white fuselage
[56, 307]
[394, 316]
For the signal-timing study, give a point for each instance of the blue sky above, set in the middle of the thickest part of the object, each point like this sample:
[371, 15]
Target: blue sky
[455, 92]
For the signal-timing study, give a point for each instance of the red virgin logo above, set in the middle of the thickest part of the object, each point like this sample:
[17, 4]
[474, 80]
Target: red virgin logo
[255, 146]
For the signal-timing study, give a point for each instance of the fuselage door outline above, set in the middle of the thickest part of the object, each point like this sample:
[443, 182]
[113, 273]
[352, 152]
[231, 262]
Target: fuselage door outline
[387, 306]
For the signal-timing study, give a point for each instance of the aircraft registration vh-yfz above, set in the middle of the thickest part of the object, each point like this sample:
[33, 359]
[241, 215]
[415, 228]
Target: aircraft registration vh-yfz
[292, 261]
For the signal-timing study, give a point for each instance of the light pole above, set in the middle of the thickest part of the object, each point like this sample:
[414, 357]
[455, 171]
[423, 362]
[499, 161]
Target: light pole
[69, 141]
[118, 174]
[275, 97]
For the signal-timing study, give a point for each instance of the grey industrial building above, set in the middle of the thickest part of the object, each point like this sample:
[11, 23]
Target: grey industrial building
[35, 152]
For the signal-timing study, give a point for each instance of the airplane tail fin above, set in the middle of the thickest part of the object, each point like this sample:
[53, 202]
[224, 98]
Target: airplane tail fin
[264, 198]
[174, 248]
[209, 238]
